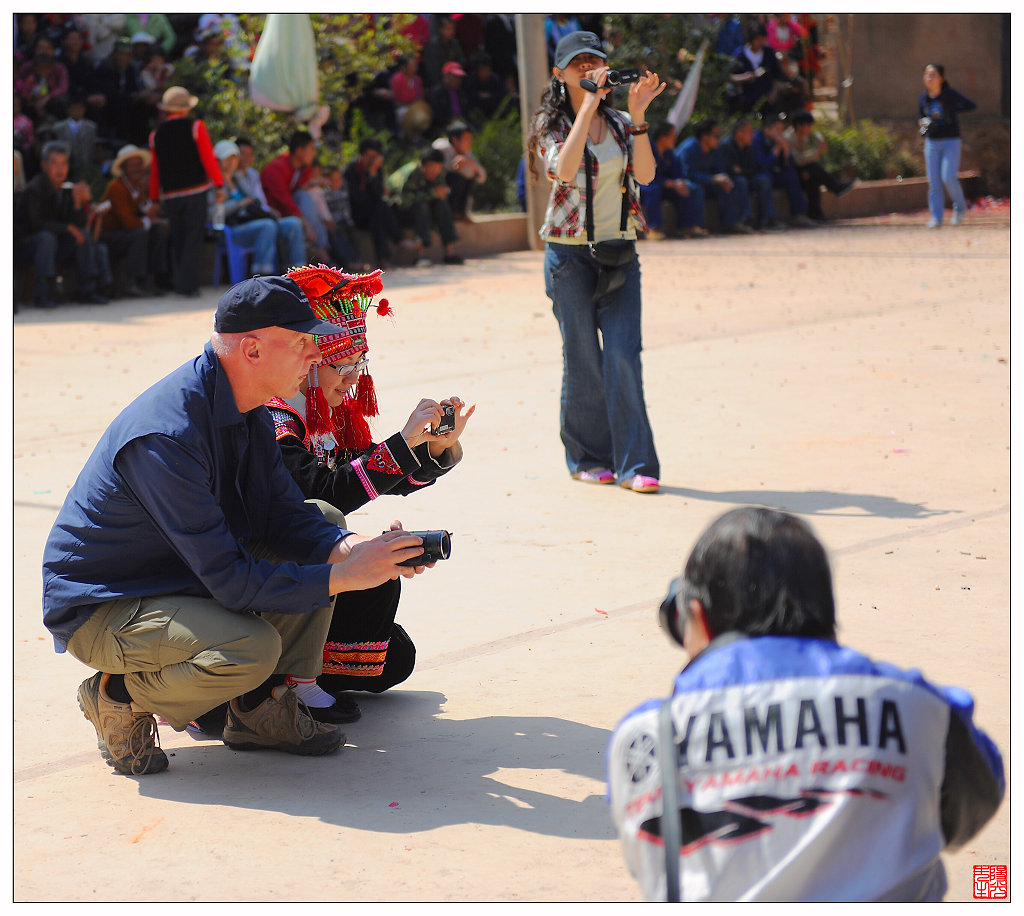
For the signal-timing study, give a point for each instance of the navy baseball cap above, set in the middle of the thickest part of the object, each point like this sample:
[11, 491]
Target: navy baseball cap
[267, 302]
[577, 43]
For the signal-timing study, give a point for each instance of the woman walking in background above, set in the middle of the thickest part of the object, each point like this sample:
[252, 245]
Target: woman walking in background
[591, 270]
[938, 108]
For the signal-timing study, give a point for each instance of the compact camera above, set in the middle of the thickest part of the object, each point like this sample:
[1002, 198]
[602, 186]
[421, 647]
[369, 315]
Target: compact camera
[447, 423]
[437, 545]
[615, 78]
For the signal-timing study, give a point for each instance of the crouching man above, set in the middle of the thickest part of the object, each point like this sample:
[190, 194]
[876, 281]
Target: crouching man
[156, 571]
[798, 770]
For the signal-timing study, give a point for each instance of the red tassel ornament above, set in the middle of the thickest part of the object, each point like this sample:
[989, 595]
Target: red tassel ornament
[366, 396]
[350, 426]
[318, 411]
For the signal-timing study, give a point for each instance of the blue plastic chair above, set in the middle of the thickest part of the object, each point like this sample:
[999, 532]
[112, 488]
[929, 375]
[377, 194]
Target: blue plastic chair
[237, 255]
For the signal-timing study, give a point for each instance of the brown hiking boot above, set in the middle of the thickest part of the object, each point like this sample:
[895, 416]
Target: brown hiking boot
[279, 723]
[128, 740]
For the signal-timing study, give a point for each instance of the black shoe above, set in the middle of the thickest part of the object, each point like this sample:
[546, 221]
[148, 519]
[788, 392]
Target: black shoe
[133, 292]
[845, 187]
[45, 302]
[345, 709]
[453, 259]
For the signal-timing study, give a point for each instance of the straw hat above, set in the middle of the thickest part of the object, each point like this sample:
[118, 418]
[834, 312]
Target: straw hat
[417, 118]
[129, 152]
[177, 98]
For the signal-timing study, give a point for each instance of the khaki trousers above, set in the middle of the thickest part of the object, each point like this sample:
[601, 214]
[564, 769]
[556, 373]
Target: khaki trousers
[182, 656]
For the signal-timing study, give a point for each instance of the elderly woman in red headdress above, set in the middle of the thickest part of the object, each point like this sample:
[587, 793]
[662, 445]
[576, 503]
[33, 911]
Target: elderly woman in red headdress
[326, 443]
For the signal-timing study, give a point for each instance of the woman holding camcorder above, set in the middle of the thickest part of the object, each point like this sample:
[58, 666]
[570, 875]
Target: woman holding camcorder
[595, 157]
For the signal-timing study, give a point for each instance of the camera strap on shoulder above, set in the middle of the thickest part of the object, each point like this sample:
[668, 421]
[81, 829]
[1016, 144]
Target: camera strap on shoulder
[588, 158]
[671, 833]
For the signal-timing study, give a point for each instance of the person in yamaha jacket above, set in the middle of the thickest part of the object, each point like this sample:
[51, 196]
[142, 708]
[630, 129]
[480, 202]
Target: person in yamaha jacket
[804, 771]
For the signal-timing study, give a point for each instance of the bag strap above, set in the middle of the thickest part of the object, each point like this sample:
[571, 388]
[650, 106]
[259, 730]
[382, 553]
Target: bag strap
[671, 833]
[588, 159]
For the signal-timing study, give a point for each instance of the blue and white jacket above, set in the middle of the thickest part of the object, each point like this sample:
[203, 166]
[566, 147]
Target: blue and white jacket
[806, 772]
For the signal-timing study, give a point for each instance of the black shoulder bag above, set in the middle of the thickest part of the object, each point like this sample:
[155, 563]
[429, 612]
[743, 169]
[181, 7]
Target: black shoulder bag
[612, 255]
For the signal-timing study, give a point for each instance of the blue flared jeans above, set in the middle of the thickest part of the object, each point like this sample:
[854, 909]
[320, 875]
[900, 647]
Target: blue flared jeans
[603, 415]
[942, 160]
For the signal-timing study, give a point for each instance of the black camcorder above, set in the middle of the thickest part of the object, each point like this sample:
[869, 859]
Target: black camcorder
[437, 545]
[615, 78]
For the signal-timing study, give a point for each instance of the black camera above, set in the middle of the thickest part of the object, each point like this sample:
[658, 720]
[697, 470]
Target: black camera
[437, 545]
[447, 423]
[615, 78]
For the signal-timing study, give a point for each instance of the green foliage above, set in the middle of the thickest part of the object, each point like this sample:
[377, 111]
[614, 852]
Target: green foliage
[667, 44]
[866, 149]
[351, 50]
[498, 144]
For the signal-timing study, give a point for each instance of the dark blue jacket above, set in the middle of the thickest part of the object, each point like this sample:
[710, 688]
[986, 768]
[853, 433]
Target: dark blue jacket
[767, 159]
[698, 165]
[176, 490]
[943, 112]
[667, 166]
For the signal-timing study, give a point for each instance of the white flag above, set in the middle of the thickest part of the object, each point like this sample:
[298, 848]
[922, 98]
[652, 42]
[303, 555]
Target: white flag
[683, 107]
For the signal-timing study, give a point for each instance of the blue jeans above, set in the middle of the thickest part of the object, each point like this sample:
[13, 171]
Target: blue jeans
[293, 240]
[942, 160]
[305, 202]
[261, 236]
[603, 415]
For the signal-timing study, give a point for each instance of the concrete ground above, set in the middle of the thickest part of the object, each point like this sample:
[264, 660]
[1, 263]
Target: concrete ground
[857, 375]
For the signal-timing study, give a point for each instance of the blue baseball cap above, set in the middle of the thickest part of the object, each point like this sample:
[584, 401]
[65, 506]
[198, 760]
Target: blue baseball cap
[267, 302]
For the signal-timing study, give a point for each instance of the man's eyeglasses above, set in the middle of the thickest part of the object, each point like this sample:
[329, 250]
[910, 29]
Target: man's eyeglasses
[345, 371]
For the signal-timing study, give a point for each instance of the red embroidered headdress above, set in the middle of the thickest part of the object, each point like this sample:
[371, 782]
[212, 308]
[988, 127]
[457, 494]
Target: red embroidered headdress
[342, 299]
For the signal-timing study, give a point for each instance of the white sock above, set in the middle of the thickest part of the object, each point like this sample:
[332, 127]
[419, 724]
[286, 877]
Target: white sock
[310, 692]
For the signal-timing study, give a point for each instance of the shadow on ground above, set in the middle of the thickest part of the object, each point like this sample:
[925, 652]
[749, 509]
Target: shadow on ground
[411, 770]
[814, 502]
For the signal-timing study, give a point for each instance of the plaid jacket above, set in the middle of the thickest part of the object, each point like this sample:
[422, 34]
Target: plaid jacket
[566, 214]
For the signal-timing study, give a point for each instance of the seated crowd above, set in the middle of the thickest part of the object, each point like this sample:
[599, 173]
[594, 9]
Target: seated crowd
[91, 90]
[92, 93]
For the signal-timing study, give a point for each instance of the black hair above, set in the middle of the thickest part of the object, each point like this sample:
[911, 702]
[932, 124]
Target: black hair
[801, 116]
[763, 573]
[457, 129]
[431, 155]
[938, 68]
[704, 126]
[757, 30]
[770, 119]
[368, 143]
[299, 139]
[740, 124]
[554, 107]
[243, 141]
[662, 129]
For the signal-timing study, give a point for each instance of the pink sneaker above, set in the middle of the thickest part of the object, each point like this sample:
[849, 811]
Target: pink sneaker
[641, 484]
[595, 475]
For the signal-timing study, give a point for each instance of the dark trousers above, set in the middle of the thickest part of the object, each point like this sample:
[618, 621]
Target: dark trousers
[461, 192]
[133, 246]
[380, 221]
[187, 216]
[46, 249]
[434, 213]
[788, 180]
[812, 177]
